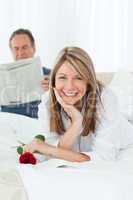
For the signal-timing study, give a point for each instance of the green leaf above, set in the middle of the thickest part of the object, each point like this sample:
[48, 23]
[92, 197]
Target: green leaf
[40, 137]
[20, 150]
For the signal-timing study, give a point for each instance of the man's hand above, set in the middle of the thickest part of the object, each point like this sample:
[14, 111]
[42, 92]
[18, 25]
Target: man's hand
[45, 83]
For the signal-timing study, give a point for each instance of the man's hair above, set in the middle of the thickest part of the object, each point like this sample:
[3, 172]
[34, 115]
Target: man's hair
[20, 32]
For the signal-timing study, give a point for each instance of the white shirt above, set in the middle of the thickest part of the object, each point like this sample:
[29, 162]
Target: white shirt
[113, 133]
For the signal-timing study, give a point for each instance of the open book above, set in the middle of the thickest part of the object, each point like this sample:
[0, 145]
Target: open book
[20, 81]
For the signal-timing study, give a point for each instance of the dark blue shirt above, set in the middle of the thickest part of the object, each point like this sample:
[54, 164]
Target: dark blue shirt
[46, 71]
[28, 109]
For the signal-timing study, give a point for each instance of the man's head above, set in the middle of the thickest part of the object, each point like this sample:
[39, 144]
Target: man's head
[22, 44]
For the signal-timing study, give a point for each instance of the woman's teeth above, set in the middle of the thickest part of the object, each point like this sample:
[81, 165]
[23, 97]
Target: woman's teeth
[70, 94]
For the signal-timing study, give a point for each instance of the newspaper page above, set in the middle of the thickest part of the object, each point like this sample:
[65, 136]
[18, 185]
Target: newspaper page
[20, 81]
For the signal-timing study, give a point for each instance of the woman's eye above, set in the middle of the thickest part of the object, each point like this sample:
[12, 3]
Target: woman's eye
[61, 77]
[79, 78]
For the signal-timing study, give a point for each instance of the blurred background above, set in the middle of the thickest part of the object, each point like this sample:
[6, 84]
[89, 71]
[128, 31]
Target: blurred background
[104, 28]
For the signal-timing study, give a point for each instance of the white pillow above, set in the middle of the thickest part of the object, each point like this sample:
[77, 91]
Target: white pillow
[7, 137]
[23, 128]
[122, 86]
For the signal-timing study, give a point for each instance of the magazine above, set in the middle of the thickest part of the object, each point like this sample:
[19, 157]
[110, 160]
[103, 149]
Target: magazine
[20, 81]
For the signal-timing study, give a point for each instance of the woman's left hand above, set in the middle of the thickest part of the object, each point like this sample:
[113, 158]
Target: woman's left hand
[72, 112]
[33, 146]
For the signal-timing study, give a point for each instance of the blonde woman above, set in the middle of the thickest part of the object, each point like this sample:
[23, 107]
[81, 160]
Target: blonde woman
[80, 117]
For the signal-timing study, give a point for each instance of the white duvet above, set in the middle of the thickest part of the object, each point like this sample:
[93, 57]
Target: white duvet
[57, 179]
[13, 127]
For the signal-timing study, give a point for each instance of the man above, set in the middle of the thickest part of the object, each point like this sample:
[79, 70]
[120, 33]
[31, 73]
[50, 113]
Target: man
[22, 45]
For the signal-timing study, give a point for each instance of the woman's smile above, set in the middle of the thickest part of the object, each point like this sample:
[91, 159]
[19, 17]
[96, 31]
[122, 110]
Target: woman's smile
[69, 84]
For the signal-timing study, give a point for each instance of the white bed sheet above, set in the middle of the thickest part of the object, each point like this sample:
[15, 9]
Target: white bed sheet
[89, 180]
[13, 127]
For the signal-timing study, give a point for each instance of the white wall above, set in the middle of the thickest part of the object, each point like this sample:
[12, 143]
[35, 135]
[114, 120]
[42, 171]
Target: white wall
[103, 27]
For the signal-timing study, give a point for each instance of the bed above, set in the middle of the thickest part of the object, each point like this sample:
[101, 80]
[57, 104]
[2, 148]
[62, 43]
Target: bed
[58, 179]
[13, 127]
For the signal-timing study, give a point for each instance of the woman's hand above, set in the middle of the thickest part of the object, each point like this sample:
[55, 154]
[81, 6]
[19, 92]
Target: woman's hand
[72, 112]
[56, 152]
[34, 146]
[74, 130]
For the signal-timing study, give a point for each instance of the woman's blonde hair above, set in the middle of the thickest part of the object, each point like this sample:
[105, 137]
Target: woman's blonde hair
[82, 63]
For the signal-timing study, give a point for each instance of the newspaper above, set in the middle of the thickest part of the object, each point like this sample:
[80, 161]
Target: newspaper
[20, 81]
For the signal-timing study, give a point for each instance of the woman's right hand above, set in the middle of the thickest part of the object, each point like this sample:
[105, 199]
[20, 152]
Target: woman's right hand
[75, 128]
[73, 113]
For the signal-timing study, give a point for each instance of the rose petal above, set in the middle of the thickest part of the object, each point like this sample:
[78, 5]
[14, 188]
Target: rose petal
[27, 157]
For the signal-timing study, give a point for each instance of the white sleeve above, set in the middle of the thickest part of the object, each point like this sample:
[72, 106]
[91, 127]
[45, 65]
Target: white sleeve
[113, 133]
[43, 117]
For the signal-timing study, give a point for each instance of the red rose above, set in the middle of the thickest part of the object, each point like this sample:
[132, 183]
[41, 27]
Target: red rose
[27, 158]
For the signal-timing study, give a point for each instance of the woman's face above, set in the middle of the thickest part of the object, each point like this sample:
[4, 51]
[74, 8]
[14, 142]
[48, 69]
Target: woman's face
[69, 84]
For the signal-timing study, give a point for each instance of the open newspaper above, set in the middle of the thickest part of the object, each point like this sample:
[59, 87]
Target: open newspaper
[20, 81]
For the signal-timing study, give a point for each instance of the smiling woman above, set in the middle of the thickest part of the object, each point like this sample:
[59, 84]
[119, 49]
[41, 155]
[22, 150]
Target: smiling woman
[79, 113]
[70, 84]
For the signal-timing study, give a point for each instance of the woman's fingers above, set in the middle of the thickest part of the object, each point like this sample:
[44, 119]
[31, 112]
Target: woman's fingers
[59, 99]
[31, 147]
[72, 112]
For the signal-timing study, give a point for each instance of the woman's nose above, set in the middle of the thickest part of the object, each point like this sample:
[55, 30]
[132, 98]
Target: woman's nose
[70, 84]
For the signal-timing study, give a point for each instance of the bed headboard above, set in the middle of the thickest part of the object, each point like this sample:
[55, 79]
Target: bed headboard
[105, 77]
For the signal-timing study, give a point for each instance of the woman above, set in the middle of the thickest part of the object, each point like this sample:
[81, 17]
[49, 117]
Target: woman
[79, 114]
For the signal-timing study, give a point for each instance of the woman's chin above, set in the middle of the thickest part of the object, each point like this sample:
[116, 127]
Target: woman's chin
[69, 101]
